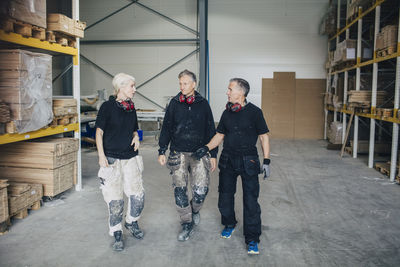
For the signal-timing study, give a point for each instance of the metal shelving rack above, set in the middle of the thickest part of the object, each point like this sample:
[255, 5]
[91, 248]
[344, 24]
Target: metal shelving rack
[376, 7]
[51, 47]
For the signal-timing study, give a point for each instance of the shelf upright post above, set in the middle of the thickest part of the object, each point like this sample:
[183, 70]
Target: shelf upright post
[336, 76]
[395, 135]
[77, 96]
[358, 74]
[346, 82]
[374, 89]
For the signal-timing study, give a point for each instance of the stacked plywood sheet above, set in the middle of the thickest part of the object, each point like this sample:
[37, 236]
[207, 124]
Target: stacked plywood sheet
[26, 87]
[3, 201]
[65, 111]
[363, 98]
[48, 161]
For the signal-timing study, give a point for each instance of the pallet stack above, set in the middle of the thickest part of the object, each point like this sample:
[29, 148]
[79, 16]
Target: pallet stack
[65, 111]
[64, 30]
[23, 196]
[386, 41]
[26, 87]
[48, 161]
[363, 98]
[3, 206]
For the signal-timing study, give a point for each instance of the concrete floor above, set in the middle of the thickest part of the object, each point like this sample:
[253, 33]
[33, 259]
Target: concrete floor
[317, 210]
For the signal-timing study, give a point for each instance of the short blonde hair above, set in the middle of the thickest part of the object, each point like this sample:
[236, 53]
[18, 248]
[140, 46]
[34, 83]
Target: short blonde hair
[120, 80]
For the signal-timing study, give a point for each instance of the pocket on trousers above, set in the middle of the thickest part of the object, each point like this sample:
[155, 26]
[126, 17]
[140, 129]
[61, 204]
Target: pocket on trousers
[223, 161]
[251, 165]
[174, 161]
[207, 162]
[139, 162]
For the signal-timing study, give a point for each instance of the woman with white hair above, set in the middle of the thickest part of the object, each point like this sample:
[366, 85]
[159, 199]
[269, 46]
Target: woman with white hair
[121, 167]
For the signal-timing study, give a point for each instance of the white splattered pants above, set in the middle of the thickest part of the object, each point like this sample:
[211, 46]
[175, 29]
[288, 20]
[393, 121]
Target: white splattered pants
[122, 176]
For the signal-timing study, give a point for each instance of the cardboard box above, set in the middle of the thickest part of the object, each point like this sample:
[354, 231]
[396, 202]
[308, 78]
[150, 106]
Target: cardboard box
[3, 204]
[29, 11]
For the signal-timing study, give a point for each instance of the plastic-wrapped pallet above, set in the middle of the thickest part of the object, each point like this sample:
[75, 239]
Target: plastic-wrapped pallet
[335, 132]
[26, 86]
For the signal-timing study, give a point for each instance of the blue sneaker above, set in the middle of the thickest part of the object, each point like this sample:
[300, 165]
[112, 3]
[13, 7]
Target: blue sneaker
[227, 232]
[253, 248]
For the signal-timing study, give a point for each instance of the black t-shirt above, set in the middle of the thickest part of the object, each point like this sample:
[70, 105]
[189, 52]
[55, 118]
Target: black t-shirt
[118, 126]
[241, 129]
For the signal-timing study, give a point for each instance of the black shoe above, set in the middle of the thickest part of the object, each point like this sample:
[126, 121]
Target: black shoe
[134, 229]
[187, 230]
[118, 244]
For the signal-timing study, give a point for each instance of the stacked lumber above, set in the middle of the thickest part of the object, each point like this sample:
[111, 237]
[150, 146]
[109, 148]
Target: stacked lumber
[65, 111]
[363, 98]
[67, 27]
[384, 112]
[3, 201]
[48, 161]
[23, 196]
[4, 113]
[26, 88]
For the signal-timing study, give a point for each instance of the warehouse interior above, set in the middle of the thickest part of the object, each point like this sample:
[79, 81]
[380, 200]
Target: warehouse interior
[325, 73]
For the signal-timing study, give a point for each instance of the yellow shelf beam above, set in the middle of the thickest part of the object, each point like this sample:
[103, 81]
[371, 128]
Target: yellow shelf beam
[378, 2]
[369, 62]
[366, 115]
[11, 138]
[34, 42]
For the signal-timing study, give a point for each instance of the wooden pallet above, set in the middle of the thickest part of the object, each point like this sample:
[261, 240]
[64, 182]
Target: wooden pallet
[23, 213]
[386, 51]
[384, 112]
[383, 167]
[344, 65]
[64, 120]
[4, 226]
[60, 38]
[23, 28]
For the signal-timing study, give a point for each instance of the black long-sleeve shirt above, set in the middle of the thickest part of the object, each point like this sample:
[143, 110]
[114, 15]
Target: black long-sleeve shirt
[187, 127]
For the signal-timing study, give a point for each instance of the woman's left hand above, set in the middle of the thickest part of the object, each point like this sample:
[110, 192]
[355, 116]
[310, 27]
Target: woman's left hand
[135, 142]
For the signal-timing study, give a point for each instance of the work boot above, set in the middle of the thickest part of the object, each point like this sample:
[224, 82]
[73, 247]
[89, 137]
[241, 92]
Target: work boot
[187, 230]
[196, 217]
[118, 244]
[134, 229]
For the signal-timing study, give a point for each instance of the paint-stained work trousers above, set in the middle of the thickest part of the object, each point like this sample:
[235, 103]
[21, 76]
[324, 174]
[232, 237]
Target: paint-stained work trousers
[122, 176]
[185, 169]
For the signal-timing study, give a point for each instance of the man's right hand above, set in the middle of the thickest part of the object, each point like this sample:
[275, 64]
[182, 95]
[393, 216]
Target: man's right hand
[103, 162]
[162, 160]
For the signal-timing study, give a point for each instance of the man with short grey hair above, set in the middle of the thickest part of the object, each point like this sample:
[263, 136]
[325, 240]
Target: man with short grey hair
[240, 126]
[188, 125]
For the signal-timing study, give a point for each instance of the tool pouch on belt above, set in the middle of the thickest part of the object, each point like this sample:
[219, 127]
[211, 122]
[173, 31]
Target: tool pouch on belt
[251, 165]
[174, 161]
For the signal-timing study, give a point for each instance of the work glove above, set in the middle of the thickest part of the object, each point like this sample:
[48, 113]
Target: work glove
[265, 167]
[201, 152]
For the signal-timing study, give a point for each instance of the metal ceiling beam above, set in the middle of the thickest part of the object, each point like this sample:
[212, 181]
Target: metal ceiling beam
[110, 15]
[193, 41]
[112, 76]
[167, 18]
[203, 24]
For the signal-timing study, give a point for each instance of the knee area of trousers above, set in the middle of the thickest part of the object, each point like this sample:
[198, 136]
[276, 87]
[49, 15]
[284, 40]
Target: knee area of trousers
[199, 194]
[116, 210]
[181, 198]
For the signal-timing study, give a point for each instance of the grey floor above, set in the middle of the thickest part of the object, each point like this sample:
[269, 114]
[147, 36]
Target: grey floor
[317, 210]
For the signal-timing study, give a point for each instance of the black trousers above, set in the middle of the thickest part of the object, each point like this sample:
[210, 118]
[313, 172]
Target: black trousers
[248, 167]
